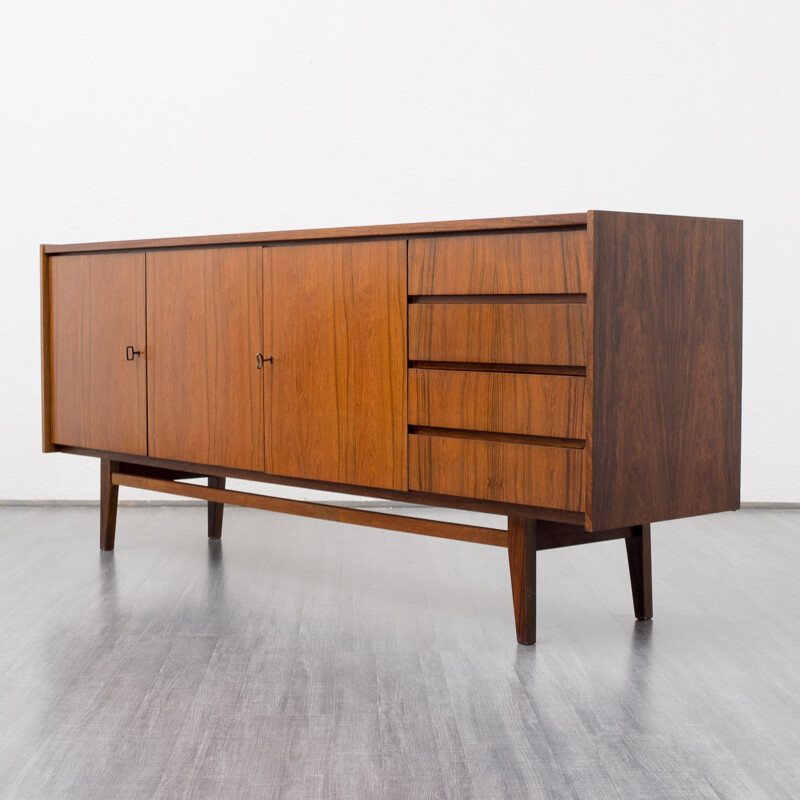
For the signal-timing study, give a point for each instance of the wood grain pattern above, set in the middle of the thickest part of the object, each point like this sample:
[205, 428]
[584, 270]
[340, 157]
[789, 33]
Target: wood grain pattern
[352, 516]
[502, 471]
[535, 405]
[543, 262]
[205, 395]
[667, 312]
[395, 230]
[522, 566]
[97, 309]
[514, 333]
[336, 408]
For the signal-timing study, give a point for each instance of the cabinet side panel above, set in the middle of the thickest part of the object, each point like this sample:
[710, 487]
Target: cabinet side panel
[666, 367]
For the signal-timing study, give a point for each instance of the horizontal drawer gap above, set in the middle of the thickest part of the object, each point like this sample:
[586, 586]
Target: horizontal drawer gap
[533, 369]
[490, 231]
[497, 298]
[491, 436]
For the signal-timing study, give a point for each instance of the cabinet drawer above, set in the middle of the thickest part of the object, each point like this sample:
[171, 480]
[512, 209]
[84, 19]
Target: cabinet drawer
[506, 472]
[500, 333]
[501, 402]
[543, 262]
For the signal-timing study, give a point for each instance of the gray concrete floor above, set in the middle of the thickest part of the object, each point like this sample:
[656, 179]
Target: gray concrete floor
[304, 659]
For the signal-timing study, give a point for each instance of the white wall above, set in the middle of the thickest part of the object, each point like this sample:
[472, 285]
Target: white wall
[125, 120]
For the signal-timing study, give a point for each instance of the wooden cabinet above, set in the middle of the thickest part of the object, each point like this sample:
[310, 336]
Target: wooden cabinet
[579, 374]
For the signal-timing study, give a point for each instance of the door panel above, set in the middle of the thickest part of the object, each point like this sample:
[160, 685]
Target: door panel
[204, 330]
[335, 323]
[97, 310]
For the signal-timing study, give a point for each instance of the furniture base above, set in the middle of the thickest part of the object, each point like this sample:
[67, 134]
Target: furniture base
[524, 537]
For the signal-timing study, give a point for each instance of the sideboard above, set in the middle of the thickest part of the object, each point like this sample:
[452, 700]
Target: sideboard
[579, 374]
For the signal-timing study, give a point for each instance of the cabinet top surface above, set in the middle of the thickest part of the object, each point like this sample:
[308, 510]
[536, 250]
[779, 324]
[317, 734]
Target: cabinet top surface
[403, 229]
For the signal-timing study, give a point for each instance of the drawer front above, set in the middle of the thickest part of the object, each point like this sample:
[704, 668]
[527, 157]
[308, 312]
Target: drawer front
[499, 402]
[504, 333]
[544, 262]
[505, 472]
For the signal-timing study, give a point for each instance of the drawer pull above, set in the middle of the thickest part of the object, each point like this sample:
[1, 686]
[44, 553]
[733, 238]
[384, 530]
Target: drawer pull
[130, 353]
[260, 360]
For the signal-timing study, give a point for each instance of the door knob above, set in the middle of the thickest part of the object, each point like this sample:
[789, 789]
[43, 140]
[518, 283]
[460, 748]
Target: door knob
[130, 353]
[260, 360]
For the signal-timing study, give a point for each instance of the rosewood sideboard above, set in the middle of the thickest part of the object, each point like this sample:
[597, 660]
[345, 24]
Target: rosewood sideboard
[579, 374]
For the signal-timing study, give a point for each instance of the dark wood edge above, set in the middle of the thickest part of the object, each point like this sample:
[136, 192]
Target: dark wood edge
[588, 398]
[739, 367]
[663, 216]
[109, 498]
[351, 516]
[640, 568]
[522, 548]
[496, 436]
[422, 498]
[147, 471]
[215, 511]
[550, 535]
[474, 366]
[494, 299]
[365, 231]
[44, 308]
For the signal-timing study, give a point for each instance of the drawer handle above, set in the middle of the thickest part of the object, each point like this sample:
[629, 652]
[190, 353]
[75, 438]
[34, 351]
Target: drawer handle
[130, 353]
[260, 360]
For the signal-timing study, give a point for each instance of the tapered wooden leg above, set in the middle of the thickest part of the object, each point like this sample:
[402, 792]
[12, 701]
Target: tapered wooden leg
[108, 504]
[522, 562]
[638, 546]
[215, 510]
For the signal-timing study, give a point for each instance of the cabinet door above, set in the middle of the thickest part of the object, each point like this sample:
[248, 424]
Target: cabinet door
[335, 324]
[205, 395]
[98, 397]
